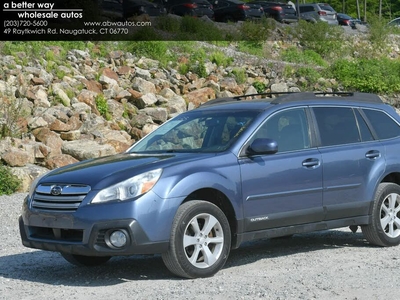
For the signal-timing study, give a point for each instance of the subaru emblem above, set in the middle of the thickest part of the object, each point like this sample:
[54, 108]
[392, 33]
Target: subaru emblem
[56, 190]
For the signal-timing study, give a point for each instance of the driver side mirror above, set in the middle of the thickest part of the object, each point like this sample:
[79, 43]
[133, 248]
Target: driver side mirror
[262, 146]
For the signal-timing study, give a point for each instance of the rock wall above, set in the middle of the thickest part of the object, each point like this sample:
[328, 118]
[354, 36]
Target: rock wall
[101, 106]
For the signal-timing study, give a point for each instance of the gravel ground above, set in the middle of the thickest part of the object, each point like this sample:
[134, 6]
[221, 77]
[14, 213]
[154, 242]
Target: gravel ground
[335, 264]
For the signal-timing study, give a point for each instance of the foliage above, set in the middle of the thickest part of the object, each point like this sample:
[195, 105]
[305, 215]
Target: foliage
[152, 49]
[195, 63]
[220, 59]
[378, 33]
[309, 57]
[240, 75]
[324, 39]
[198, 30]
[251, 48]
[12, 111]
[9, 183]
[102, 106]
[188, 28]
[257, 32]
[259, 86]
[368, 75]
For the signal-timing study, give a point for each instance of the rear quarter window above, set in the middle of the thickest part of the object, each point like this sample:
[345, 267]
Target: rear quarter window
[384, 126]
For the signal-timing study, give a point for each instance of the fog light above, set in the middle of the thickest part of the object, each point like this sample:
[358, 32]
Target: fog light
[118, 238]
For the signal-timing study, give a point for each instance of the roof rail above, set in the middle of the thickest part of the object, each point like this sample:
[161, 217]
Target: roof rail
[284, 97]
[244, 97]
[364, 97]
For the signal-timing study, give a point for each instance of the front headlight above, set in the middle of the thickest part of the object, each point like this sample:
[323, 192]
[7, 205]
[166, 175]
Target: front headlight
[129, 188]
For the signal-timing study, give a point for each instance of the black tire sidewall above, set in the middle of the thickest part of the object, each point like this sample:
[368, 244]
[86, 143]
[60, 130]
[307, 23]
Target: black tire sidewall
[200, 207]
[381, 196]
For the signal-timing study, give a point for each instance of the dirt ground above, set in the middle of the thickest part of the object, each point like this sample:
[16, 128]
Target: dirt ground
[335, 264]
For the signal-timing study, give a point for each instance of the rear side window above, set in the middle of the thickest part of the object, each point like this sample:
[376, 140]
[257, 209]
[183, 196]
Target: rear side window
[384, 126]
[306, 9]
[337, 125]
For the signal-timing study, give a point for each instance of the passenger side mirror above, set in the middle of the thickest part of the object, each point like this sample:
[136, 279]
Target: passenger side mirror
[262, 146]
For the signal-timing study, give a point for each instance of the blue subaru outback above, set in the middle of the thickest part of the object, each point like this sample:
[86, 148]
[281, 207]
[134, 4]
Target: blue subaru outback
[230, 171]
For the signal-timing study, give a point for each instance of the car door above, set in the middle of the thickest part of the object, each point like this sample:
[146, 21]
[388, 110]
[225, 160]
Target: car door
[284, 188]
[350, 155]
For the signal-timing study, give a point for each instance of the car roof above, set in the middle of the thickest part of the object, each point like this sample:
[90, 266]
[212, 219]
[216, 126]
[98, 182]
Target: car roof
[265, 100]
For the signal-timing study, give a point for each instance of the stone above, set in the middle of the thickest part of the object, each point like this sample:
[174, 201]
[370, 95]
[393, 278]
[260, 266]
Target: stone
[60, 160]
[82, 149]
[200, 96]
[17, 158]
[143, 86]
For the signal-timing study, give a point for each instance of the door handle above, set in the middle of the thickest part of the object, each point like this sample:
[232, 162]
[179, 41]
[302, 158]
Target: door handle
[373, 154]
[311, 163]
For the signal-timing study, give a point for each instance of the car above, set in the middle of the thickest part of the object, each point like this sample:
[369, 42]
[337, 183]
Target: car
[122, 10]
[346, 20]
[232, 170]
[235, 10]
[395, 22]
[111, 9]
[132, 8]
[314, 12]
[281, 12]
[194, 8]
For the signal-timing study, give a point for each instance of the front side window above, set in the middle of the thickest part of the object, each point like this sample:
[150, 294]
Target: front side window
[289, 128]
[385, 127]
[197, 131]
[336, 125]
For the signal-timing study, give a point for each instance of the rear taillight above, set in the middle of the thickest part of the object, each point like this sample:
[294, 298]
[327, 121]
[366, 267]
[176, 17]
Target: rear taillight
[190, 5]
[243, 7]
[277, 8]
[347, 22]
[322, 13]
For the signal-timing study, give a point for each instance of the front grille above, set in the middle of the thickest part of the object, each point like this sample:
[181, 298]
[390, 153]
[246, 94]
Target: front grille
[56, 234]
[59, 197]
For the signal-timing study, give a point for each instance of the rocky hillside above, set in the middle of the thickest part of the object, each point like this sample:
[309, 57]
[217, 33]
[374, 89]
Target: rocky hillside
[102, 105]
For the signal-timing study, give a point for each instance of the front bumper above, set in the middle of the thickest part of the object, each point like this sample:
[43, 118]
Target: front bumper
[93, 242]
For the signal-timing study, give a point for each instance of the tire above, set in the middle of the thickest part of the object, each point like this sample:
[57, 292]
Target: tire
[87, 261]
[200, 240]
[384, 229]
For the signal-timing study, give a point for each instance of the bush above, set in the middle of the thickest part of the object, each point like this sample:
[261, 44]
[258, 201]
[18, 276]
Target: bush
[220, 59]
[151, 49]
[308, 57]
[9, 183]
[324, 39]
[12, 111]
[259, 86]
[257, 32]
[368, 75]
[240, 75]
[102, 106]
[378, 33]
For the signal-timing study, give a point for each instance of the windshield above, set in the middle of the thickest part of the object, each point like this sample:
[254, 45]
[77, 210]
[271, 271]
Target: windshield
[196, 131]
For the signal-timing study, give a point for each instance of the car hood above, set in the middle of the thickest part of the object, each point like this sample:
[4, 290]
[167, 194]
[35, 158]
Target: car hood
[105, 171]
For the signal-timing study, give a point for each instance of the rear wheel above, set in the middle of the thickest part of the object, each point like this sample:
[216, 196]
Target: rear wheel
[82, 260]
[384, 229]
[200, 240]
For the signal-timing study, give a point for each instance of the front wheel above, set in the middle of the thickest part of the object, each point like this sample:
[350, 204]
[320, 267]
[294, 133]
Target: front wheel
[200, 240]
[384, 229]
[88, 261]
